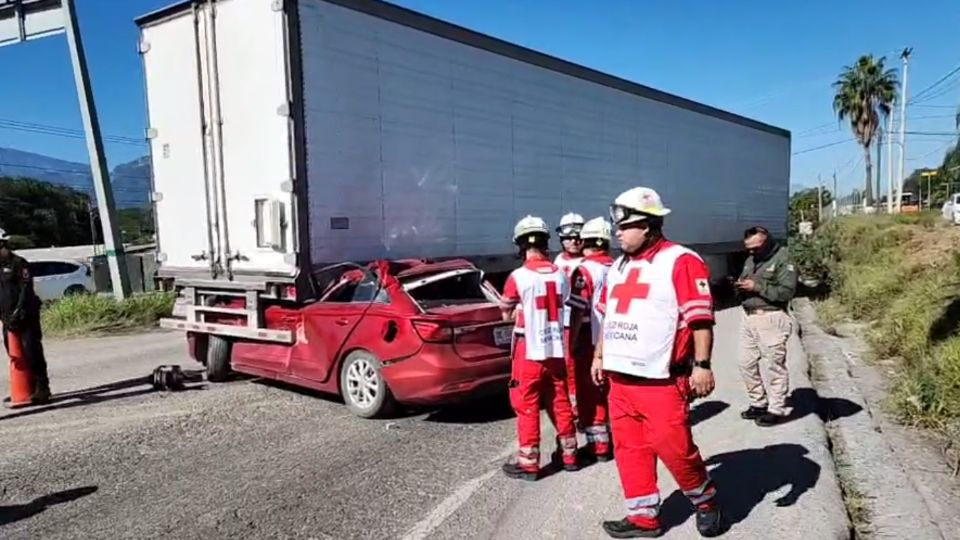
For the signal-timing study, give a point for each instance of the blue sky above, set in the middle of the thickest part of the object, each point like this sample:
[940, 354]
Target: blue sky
[773, 61]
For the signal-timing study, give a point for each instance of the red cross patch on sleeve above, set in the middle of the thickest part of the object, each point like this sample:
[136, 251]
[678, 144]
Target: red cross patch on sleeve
[703, 286]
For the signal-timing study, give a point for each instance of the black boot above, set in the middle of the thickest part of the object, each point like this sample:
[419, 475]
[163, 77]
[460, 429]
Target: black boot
[41, 395]
[710, 521]
[627, 529]
[516, 472]
[753, 413]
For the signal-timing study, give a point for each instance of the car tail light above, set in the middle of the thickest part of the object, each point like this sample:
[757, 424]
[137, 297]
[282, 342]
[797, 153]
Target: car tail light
[433, 331]
[290, 292]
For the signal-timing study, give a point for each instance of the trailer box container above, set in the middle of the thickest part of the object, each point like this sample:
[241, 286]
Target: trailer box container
[290, 134]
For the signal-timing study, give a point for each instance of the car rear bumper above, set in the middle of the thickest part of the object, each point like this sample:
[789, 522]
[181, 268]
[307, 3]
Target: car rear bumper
[437, 375]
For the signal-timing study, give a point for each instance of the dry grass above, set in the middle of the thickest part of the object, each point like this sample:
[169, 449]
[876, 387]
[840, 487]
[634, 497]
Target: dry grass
[902, 276]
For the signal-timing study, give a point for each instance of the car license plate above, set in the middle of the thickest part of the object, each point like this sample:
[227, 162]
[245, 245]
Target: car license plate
[503, 335]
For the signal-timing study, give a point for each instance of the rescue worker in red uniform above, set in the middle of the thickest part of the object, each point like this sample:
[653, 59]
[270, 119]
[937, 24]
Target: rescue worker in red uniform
[585, 325]
[655, 351]
[534, 297]
[569, 258]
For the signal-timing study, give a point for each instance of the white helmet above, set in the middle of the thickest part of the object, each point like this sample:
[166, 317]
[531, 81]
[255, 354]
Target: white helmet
[4, 237]
[637, 204]
[597, 229]
[570, 225]
[528, 226]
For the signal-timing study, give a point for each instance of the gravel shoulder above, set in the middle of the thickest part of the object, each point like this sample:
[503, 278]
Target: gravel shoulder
[897, 476]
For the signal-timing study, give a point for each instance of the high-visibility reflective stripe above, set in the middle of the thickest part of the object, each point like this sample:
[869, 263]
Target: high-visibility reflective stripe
[597, 434]
[646, 506]
[528, 456]
[702, 494]
[697, 314]
[695, 304]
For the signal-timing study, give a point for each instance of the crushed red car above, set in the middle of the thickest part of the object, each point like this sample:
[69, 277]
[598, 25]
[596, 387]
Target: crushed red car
[399, 332]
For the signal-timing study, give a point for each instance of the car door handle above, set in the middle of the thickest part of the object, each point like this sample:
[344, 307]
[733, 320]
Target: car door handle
[343, 322]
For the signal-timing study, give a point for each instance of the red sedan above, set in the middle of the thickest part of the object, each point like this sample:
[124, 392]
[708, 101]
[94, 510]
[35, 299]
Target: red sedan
[405, 332]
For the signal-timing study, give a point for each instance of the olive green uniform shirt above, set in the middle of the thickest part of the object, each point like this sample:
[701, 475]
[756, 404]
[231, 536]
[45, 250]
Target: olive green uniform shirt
[776, 279]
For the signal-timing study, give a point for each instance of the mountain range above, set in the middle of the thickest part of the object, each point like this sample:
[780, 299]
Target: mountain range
[131, 180]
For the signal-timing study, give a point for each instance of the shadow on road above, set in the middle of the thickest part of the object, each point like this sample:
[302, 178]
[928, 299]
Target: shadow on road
[139, 386]
[807, 401]
[492, 408]
[745, 477]
[707, 410]
[13, 513]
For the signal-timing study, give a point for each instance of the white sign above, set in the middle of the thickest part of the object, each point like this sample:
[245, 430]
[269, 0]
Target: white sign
[806, 228]
[22, 20]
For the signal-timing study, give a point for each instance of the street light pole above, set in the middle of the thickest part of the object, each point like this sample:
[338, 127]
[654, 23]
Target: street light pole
[116, 259]
[890, 160]
[905, 55]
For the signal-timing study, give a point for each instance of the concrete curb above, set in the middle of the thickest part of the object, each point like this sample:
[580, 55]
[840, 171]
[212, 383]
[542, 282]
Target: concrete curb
[869, 466]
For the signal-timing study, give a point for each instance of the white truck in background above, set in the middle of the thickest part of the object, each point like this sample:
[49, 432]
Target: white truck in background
[291, 134]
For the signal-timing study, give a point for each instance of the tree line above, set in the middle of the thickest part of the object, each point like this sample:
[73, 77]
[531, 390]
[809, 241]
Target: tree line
[39, 214]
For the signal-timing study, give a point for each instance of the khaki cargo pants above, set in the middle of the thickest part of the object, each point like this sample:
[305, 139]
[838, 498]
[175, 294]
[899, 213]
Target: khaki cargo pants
[763, 336]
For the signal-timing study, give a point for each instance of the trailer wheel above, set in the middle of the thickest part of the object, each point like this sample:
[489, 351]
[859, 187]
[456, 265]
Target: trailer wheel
[218, 359]
[362, 386]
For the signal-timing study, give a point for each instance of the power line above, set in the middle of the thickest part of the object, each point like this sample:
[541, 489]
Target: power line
[57, 131]
[916, 96]
[821, 147]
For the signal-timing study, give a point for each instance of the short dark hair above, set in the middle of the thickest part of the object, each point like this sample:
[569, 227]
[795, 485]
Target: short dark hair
[756, 229]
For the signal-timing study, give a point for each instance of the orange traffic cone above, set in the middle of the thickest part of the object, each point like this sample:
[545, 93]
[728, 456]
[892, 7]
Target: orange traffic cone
[21, 386]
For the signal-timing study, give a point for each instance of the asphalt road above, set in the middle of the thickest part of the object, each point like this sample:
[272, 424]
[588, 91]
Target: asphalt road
[111, 458]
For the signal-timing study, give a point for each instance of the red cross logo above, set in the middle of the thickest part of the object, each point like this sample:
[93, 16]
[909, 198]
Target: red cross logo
[549, 302]
[631, 289]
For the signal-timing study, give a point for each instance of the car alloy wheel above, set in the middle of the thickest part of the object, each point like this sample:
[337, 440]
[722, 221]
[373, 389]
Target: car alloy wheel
[363, 383]
[364, 391]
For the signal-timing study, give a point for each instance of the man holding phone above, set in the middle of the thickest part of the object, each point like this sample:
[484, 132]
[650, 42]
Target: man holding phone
[765, 288]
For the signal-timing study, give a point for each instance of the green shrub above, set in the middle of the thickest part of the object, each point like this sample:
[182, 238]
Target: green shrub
[900, 273]
[87, 313]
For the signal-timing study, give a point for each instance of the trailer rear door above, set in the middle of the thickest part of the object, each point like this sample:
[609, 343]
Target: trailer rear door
[252, 88]
[172, 73]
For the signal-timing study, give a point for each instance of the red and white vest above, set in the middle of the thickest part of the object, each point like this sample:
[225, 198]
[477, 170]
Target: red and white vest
[567, 264]
[543, 294]
[642, 315]
[596, 272]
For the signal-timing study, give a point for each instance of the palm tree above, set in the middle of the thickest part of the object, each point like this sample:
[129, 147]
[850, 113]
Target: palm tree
[865, 93]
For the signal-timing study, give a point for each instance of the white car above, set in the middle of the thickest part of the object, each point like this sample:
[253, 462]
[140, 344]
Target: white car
[951, 209]
[55, 278]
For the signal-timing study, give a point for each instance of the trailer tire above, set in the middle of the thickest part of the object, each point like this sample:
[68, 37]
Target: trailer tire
[363, 388]
[218, 359]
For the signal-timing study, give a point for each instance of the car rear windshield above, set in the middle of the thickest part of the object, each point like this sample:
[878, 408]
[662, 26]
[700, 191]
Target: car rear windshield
[453, 290]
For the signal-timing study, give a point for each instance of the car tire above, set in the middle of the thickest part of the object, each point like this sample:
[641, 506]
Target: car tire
[75, 290]
[363, 388]
[218, 359]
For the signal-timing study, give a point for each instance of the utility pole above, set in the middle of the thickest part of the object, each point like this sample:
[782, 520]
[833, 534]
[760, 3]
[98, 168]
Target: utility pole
[116, 259]
[905, 55]
[890, 165]
[819, 199]
[835, 194]
[876, 192]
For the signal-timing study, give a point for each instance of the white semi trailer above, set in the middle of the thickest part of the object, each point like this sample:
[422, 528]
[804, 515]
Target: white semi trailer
[290, 134]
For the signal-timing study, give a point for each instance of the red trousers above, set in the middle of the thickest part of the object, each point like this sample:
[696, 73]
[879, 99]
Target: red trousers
[534, 383]
[649, 421]
[571, 370]
[591, 404]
